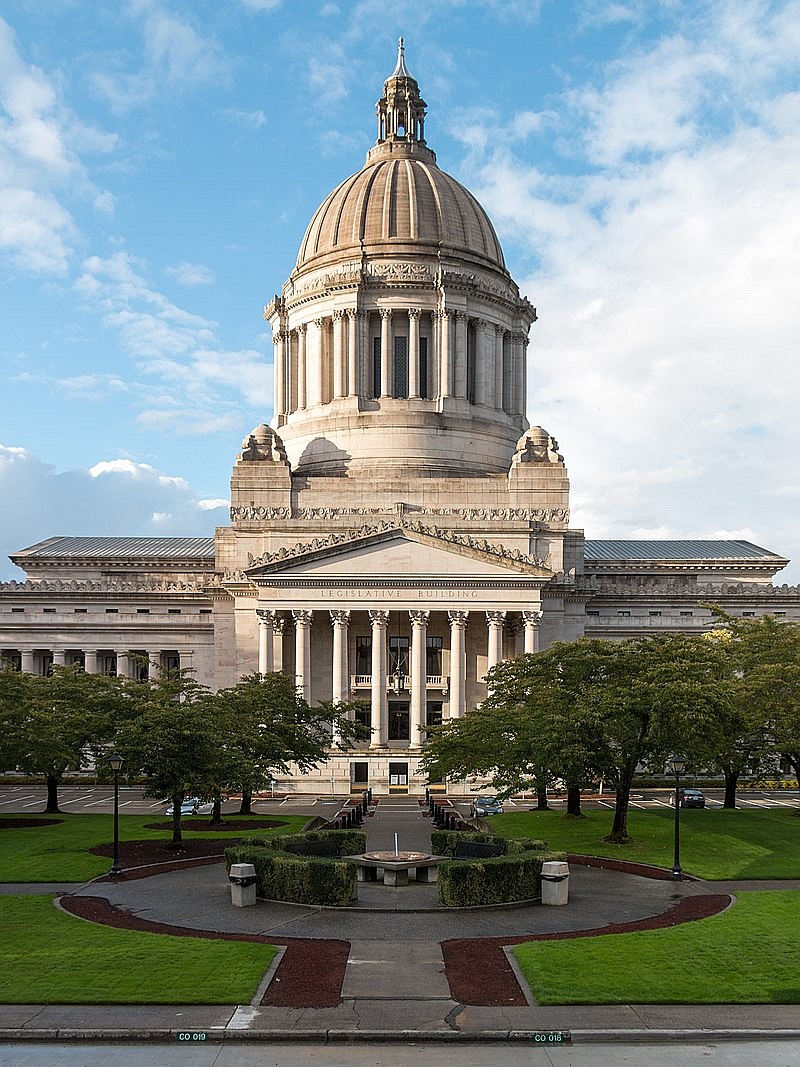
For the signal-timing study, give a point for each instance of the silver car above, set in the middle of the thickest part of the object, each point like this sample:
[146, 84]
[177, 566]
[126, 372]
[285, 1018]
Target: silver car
[485, 806]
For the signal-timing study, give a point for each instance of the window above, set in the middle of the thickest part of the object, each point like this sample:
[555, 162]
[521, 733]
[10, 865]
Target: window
[360, 773]
[48, 611]
[401, 367]
[112, 611]
[398, 722]
[687, 614]
[423, 367]
[363, 655]
[623, 614]
[433, 713]
[205, 611]
[17, 611]
[595, 614]
[748, 614]
[433, 657]
[398, 655]
[80, 611]
[780, 614]
[655, 614]
[143, 611]
[364, 715]
[174, 611]
[376, 366]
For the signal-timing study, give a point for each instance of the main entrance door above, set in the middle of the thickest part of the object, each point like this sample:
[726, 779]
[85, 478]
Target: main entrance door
[398, 777]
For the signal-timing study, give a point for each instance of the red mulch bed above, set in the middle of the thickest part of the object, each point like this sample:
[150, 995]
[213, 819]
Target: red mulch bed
[8, 823]
[479, 972]
[310, 975]
[221, 827]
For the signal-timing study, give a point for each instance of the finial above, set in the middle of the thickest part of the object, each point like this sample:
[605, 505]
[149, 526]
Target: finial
[400, 71]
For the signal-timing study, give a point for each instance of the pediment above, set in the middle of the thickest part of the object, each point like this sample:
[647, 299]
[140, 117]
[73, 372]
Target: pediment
[404, 550]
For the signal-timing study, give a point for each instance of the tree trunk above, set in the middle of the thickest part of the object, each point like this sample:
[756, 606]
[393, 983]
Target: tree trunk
[177, 833]
[794, 763]
[541, 796]
[731, 781]
[619, 828]
[216, 810]
[52, 794]
[574, 802]
[246, 807]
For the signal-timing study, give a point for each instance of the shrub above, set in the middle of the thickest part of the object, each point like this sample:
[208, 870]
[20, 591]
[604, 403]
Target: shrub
[348, 842]
[297, 879]
[514, 877]
[443, 842]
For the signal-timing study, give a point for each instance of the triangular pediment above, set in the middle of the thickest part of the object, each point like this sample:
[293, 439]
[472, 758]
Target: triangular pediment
[403, 550]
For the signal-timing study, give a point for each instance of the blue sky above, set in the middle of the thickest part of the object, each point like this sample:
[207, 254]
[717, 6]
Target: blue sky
[159, 163]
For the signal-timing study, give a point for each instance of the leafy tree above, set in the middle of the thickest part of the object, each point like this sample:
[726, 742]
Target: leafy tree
[590, 709]
[54, 722]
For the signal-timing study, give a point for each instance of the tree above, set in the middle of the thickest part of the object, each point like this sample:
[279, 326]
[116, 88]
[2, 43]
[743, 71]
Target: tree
[58, 721]
[269, 726]
[591, 709]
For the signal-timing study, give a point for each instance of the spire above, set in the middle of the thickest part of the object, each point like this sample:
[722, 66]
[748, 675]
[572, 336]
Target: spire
[401, 110]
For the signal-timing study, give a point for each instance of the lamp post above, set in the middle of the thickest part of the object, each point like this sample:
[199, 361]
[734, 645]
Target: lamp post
[116, 762]
[678, 765]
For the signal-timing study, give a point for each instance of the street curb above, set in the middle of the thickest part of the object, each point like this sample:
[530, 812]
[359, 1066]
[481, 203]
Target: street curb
[93, 1035]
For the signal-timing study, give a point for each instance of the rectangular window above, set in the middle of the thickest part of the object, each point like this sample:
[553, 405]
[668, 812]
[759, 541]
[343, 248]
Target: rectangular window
[423, 368]
[112, 611]
[655, 614]
[401, 367]
[593, 613]
[623, 614]
[18, 611]
[363, 655]
[174, 611]
[748, 614]
[433, 657]
[687, 614]
[779, 613]
[360, 773]
[398, 722]
[364, 715]
[80, 611]
[143, 611]
[376, 366]
[398, 656]
[433, 713]
[48, 611]
[206, 611]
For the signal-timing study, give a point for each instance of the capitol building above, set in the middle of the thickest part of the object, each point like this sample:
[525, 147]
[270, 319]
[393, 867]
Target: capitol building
[398, 527]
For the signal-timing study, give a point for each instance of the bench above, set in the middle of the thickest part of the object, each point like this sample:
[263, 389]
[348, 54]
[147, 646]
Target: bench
[477, 850]
[322, 849]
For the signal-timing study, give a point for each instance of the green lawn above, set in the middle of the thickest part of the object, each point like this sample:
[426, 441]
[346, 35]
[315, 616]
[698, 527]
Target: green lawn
[746, 955]
[48, 957]
[60, 853]
[715, 843]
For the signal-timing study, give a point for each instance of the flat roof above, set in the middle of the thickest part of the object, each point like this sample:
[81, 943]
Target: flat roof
[127, 547]
[676, 550]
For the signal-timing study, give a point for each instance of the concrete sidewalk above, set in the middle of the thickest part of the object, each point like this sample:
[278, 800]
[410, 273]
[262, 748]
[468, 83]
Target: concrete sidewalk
[395, 985]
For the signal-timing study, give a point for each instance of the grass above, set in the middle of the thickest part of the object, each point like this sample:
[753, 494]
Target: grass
[746, 955]
[48, 957]
[60, 853]
[715, 843]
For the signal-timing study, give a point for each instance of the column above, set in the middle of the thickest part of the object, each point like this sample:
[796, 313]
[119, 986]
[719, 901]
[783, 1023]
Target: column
[301, 365]
[524, 373]
[279, 343]
[495, 619]
[59, 657]
[89, 661]
[518, 387]
[445, 356]
[386, 352]
[497, 401]
[419, 674]
[26, 657]
[123, 665]
[352, 353]
[340, 621]
[339, 367]
[531, 619]
[320, 383]
[460, 361]
[413, 353]
[378, 700]
[278, 624]
[302, 652]
[186, 659]
[458, 626]
[363, 353]
[265, 653]
[484, 364]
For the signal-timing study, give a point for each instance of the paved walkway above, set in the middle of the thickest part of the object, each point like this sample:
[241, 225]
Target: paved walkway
[395, 983]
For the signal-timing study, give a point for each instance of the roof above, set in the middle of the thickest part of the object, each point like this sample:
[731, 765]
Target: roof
[675, 550]
[108, 547]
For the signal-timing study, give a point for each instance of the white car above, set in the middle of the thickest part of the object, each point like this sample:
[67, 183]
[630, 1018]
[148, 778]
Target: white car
[192, 806]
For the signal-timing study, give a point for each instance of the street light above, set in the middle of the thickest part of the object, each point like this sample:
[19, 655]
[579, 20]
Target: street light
[116, 762]
[678, 765]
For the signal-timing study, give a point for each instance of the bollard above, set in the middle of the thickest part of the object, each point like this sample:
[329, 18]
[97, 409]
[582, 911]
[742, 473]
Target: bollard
[243, 885]
[555, 882]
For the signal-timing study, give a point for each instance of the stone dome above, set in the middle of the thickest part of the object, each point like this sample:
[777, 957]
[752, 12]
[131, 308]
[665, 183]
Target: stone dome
[400, 197]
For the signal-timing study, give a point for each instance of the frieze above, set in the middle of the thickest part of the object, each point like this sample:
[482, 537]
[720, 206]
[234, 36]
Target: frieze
[252, 512]
[394, 271]
[102, 585]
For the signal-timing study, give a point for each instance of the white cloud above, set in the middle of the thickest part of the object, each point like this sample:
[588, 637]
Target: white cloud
[113, 498]
[247, 120]
[261, 5]
[191, 274]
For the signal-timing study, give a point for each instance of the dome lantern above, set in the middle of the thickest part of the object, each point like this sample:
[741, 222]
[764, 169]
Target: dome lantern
[401, 110]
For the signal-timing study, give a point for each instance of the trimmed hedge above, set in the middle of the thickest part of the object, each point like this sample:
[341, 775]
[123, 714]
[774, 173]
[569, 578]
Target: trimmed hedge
[282, 875]
[503, 880]
[443, 842]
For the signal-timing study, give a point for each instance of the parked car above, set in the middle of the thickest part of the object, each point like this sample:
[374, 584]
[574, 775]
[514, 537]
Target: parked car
[485, 806]
[189, 806]
[689, 798]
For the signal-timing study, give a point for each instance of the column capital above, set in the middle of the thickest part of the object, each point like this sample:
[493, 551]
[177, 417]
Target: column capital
[339, 618]
[265, 617]
[460, 316]
[319, 323]
[414, 313]
[302, 617]
[385, 313]
[419, 617]
[301, 327]
[495, 618]
[379, 618]
[501, 331]
[531, 618]
[339, 314]
[278, 622]
[458, 618]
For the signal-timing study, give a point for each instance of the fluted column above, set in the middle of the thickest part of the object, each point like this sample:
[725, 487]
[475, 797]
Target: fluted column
[518, 389]
[26, 657]
[524, 373]
[278, 625]
[458, 627]
[301, 365]
[531, 619]
[460, 360]
[484, 364]
[123, 665]
[363, 354]
[495, 619]
[89, 661]
[265, 652]
[413, 353]
[387, 384]
[279, 343]
[352, 353]
[445, 355]
[302, 652]
[340, 620]
[497, 400]
[339, 367]
[419, 676]
[379, 701]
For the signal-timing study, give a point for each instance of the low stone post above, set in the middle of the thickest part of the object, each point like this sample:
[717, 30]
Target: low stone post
[243, 885]
[555, 882]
